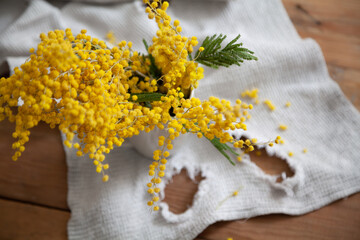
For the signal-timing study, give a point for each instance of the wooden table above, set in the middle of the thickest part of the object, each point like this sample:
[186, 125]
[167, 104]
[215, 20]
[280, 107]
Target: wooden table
[33, 191]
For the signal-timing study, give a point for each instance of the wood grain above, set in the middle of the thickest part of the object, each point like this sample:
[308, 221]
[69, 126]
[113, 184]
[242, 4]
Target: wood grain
[39, 175]
[33, 190]
[179, 193]
[336, 28]
[27, 221]
[271, 165]
[326, 223]
[349, 81]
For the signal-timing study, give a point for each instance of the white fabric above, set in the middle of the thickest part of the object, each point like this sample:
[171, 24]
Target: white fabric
[289, 69]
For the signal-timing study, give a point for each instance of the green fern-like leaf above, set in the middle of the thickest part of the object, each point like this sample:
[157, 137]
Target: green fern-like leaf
[214, 56]
[222, 147]
[155, 72]
[147, 97]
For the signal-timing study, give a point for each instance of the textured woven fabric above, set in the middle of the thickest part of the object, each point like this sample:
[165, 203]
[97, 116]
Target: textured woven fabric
[289, 69]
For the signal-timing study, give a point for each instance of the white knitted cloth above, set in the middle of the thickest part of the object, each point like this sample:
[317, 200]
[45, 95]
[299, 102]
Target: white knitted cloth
[289, 69]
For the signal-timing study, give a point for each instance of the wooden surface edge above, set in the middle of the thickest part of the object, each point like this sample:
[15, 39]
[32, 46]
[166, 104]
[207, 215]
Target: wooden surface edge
[28, 221]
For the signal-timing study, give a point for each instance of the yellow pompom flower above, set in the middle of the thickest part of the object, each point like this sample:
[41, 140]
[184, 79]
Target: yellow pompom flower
[99, 95]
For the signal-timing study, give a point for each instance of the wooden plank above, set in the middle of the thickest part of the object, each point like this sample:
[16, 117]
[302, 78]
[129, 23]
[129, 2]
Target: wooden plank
[39, 176]
[340, 220]
[335, 26]
[349, 82]
[26, 221]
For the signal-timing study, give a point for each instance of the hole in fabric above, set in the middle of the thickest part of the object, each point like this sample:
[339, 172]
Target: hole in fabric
[178, 197]
[271, 165]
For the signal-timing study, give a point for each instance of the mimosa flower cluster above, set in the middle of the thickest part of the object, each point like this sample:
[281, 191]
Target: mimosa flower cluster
[98, 96]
